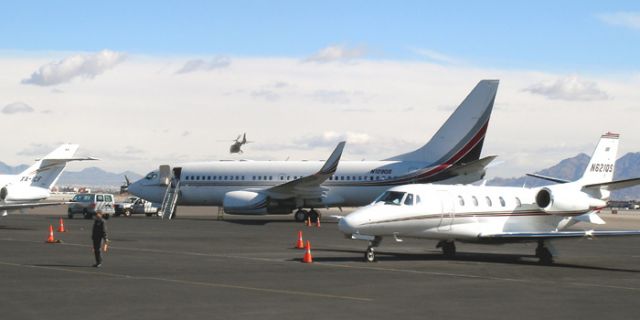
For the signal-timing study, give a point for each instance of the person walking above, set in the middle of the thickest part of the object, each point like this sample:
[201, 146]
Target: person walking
[98, 234]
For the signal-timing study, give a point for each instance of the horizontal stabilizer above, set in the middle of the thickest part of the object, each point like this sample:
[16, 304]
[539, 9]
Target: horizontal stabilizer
[552, 179]
[614, 185]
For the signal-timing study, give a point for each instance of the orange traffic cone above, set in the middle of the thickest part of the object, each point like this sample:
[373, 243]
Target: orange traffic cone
[318, 222]
[308, 222]
[61, 227]
[300, 243]
[307, 255]
[51, 239]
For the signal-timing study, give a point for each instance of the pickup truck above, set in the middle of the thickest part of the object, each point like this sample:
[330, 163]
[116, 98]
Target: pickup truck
[135, 205]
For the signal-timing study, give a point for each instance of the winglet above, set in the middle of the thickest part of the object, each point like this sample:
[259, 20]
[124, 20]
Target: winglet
[331, 164]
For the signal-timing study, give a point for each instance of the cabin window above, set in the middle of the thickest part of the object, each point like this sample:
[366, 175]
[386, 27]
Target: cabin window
[270, 177]
[214, 177]
[408, 201]
[474, 200]
[197, 177]
[243, 178]
[348, 178]
[288, 177]
[489, 201]
[237, 177]
[371, 178]
[518, 202]
[418, 199]
[353, 178]
[502, 203]
[461, 200]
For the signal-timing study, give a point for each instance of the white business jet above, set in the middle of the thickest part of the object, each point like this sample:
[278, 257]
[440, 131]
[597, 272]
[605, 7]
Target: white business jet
[279, 187]
[27, 189]
[492, 215]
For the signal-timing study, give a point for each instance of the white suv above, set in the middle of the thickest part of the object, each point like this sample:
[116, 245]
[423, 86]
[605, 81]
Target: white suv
[88, 203]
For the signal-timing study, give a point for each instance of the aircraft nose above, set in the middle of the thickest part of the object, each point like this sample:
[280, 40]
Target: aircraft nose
[346, 225]
[134, 188]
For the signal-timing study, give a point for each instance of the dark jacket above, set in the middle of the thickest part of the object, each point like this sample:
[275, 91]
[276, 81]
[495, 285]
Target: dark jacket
[99, 229]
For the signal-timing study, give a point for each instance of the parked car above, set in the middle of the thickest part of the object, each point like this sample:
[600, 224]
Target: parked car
[126, 207]
[87, 204]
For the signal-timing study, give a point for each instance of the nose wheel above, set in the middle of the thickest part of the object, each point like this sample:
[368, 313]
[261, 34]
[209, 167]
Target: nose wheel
[370, 253]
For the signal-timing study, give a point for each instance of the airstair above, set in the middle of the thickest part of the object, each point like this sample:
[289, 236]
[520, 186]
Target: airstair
[170, 199]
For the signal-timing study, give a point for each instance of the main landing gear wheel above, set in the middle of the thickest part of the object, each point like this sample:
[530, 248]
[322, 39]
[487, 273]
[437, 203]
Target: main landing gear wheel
[370, 255]
[448, 248]
[544, 254]
[300, 215]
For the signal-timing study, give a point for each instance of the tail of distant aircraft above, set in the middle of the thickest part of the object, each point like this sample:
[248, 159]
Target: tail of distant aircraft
[603, 160]
[461, 137]
[46, 171]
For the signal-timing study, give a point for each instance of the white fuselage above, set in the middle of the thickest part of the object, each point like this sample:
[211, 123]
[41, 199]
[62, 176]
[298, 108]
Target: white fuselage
[460, 212]
[16, 189]
[355, 183]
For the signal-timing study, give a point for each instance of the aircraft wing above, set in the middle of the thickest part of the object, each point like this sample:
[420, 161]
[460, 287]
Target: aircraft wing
[29, 205]
[531, 236]
[309, 186]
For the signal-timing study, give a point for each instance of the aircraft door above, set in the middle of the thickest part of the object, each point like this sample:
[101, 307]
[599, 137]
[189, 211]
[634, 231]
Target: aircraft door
[447, 211]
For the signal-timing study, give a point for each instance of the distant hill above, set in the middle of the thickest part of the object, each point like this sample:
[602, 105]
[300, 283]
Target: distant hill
[572, 168]
[95, 177]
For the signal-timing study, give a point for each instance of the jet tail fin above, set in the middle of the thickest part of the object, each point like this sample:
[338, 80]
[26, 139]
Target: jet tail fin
[46, 171]
[461, 137]
[602, 163]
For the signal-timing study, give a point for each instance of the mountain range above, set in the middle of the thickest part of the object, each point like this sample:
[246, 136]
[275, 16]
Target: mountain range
[628, 166]
[572, 168]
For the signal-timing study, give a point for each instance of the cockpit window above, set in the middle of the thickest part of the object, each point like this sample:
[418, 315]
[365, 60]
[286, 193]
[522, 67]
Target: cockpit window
[391, 197]
[151, 176]
[408, 201]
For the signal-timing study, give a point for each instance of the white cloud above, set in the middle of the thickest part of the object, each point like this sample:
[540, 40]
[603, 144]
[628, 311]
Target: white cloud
[151, 109]
[622, 19]
[337, 53]
[37, 150]
[194, 65]
[570, 88]
[436, 56]
[331, 96]
[17, 107]
[85, 66]
[268, 95]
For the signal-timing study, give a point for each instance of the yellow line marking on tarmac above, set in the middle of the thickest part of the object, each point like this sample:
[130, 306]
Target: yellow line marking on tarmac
[194, 283]
[345, 266]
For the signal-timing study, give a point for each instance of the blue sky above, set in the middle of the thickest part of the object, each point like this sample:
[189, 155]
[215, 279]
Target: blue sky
[548, 35]
[381, 75]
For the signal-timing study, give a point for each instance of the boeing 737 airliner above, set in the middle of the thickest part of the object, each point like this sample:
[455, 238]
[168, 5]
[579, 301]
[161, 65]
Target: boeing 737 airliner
[279, 187]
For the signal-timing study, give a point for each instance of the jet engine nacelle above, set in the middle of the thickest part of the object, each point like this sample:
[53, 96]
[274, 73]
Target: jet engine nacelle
[559, 201]
[254, 203]
[19, 193]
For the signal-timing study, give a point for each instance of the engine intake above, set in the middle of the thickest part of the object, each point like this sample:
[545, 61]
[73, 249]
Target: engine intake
[254, 203]
[565, 202]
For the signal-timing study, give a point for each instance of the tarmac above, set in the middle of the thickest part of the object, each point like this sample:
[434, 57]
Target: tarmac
[198, 267]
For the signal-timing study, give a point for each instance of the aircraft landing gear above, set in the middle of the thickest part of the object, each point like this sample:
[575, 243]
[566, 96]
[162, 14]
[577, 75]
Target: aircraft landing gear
[301, 215]
[370, 253]
[543, 253]
[314, 215]
[448, 248]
